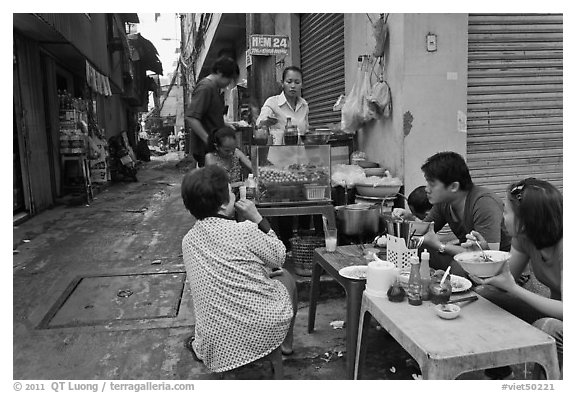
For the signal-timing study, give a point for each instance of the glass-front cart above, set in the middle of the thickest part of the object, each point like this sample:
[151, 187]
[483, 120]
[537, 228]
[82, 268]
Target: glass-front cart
[292, 174]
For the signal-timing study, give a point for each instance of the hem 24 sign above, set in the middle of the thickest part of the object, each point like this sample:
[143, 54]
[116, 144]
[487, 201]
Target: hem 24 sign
[268, 45]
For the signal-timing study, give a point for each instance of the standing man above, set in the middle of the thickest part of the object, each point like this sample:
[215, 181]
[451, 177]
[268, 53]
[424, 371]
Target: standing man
[458, 202]
[205, 113]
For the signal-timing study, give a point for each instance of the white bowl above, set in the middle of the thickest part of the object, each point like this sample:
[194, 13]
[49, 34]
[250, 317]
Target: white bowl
[447, 311]
[473, 263]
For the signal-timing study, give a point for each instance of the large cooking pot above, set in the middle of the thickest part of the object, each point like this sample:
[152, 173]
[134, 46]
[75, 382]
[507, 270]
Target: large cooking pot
[359, 219]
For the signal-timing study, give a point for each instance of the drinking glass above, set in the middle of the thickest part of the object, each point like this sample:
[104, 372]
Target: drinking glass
[331, 239]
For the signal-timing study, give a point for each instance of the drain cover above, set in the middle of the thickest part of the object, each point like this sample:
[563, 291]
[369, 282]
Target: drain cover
[101, 300]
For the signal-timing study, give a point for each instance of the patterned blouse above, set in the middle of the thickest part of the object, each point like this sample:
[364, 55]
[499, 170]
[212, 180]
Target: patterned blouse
[234, 170]
[241, 313]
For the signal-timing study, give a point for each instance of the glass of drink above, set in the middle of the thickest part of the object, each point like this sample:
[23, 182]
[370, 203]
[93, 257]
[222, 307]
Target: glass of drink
[331, 239]
[440, 293]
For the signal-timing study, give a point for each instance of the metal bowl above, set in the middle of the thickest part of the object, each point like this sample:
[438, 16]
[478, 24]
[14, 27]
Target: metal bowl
[380, 191]
[316, 138]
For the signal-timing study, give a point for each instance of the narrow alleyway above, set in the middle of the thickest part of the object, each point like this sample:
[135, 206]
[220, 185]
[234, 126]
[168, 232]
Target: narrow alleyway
[99, 294]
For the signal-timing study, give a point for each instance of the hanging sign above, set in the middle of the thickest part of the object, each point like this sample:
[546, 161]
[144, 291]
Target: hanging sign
[248, 58]
[268, 45]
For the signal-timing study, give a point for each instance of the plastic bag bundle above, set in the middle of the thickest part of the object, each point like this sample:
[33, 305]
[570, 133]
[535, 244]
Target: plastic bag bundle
[353, 105]
[380, 101]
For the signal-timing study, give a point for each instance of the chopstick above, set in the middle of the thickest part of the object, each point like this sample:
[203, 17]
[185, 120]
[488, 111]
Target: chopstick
[464, 299]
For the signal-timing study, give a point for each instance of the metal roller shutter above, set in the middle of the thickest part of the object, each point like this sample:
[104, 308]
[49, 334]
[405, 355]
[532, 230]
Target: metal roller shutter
[514, 98]
[322, 62]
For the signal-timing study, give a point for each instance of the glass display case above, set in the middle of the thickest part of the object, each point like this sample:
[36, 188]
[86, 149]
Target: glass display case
[291, 175]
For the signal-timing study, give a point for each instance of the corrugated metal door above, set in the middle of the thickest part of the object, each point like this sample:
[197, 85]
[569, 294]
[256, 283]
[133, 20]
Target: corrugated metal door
[514, 98]
[322, 62]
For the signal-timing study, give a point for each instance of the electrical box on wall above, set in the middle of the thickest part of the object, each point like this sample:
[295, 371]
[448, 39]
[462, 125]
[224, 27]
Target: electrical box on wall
[431, 42]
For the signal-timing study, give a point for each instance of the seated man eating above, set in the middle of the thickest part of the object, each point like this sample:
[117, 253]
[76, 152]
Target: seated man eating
[465, 207]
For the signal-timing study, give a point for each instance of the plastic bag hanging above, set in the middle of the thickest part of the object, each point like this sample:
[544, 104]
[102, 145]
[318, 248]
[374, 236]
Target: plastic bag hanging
[380, 101]
[350, 120]
[365, 114]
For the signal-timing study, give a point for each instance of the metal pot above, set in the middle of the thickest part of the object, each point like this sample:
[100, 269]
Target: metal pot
[358, 220]
[407, 229]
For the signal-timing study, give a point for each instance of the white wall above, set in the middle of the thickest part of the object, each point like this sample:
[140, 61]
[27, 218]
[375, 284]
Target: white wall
[432, 97]
[419, 85]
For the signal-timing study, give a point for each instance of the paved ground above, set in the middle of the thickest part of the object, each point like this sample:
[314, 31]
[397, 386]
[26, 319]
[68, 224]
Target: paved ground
[71, 264]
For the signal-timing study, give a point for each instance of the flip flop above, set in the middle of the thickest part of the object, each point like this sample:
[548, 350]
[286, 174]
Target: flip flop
[188, 345]
[287, 353]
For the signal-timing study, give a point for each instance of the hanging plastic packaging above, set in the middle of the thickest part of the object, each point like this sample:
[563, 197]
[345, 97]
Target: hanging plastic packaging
[379, 102]
[350, 120]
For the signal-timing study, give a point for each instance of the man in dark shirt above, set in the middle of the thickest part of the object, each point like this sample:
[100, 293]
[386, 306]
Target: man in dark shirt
[205, 113]
[463, 206]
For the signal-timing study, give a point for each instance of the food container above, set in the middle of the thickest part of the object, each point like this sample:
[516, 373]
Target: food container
[474, 263]
[315, 192]
[358, 219]
[316, 138]
[406, 229]
[440, 293]
[291, 174]
[447, 311]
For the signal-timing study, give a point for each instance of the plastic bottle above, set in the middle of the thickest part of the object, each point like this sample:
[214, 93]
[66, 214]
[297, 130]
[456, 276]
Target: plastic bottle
[425, 274]
[414, 282]
[288, 124]
[250, 187]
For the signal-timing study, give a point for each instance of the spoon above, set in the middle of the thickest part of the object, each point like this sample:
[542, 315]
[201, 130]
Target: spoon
[484, 256]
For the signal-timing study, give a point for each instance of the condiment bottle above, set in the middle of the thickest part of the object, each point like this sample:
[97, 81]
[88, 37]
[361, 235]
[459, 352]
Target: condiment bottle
[250, 187]
[425, 274]
[414, 282]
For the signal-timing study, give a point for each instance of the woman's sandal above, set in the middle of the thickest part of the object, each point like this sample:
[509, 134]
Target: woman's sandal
[287, 353]
[188, 345]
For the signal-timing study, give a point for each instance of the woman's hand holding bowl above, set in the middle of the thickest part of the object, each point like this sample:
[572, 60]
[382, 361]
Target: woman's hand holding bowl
[504, 280]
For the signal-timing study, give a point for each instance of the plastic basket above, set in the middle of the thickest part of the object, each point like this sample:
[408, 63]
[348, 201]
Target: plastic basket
[398, 253]
[303, 252]
[314, 193]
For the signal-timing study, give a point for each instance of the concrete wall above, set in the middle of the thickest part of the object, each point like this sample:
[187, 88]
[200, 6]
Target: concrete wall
[435, 85]
[429, 86]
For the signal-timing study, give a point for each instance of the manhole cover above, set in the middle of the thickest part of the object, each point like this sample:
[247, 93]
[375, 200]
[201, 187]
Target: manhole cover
[100, 300]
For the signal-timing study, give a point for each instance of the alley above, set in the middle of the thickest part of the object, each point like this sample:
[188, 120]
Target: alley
[71, 263]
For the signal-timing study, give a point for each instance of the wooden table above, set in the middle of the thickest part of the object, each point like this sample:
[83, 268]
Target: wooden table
[482, 336]
[332, 262]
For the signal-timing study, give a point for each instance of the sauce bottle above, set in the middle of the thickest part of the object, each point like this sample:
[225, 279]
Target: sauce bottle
[250, 187]
[425, 274]
[414, 282]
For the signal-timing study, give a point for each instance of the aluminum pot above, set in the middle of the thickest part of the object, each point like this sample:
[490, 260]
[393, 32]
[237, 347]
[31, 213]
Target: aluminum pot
[358, 220]
[407, 229]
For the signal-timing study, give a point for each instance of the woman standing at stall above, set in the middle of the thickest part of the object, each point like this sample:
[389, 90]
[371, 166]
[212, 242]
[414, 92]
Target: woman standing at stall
[289, 103]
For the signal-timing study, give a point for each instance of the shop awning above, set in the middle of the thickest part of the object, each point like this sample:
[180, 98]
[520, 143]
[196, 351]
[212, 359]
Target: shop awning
[146, 53]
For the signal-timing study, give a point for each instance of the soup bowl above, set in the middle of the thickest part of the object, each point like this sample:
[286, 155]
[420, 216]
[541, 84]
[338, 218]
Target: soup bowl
[474, 263]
